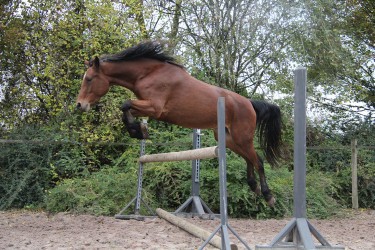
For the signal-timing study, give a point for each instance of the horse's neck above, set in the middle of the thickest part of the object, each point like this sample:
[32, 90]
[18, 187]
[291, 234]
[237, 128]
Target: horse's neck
[126, 74]
[119, 74]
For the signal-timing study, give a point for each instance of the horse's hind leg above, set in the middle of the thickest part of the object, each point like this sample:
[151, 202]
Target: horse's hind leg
[251, 180]
[253, 160]
[242, 143]
[263, 183]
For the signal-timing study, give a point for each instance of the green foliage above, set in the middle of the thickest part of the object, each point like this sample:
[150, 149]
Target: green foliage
[170, 185]
[366, 185]
[74, 184]
[38, 158]
[43, 49]
[366, 181]
[360, 20]
[25, 173]
[102, 193]
[331, 153]
[74, 157]
[320, 190]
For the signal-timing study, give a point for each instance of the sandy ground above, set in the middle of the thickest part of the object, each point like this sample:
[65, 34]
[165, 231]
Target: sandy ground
[31, 230]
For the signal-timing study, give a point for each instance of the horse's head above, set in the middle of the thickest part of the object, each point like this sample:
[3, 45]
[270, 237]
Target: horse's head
[94, 85]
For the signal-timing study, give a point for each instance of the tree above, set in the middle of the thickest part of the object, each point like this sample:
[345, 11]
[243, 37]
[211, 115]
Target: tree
[340, 67]
[360, 20]
[236, 44]
[359, 25]
[43, 50]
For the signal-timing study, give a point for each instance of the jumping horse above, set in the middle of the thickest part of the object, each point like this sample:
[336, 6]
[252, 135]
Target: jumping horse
[166, 92]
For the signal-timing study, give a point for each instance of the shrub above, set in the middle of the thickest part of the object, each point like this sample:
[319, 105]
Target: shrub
[102, 193]
[25, 174]
[170, 184]
[366, 186]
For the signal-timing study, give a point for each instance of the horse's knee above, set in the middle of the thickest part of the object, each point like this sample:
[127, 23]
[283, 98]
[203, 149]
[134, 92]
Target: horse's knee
[126, 106]
[133, 133]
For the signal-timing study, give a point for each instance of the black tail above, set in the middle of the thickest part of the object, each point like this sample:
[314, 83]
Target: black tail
[269, 127]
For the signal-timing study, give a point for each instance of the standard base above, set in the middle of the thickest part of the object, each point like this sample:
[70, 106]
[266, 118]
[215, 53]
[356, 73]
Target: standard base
[136, 215]
[194, 206]
[297, 235]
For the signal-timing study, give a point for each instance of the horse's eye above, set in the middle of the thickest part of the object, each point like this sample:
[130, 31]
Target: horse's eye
[88, 79]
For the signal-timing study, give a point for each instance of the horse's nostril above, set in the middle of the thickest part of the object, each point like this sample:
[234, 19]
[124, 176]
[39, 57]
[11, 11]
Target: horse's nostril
[78, 105]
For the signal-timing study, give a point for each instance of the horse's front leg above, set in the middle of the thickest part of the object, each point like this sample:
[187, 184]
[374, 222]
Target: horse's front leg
[135, 128]
[142, 108]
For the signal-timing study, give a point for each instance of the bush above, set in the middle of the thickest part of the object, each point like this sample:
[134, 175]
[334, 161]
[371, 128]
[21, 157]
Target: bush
[97, 179]
[42, 156]
[25, 174]
[170, 184]
[366, 186]
[102, 193]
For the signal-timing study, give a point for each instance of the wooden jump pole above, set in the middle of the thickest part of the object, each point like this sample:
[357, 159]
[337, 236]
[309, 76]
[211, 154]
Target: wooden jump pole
[201, 153]
[190, 228]
[196, 205]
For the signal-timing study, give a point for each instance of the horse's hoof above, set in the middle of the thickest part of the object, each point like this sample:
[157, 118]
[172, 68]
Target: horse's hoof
[133, 133]
[137, 130]
[271, 202]
[126, 106]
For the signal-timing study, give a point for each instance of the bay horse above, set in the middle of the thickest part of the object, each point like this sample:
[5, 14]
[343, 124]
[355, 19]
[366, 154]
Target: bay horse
[166, 92]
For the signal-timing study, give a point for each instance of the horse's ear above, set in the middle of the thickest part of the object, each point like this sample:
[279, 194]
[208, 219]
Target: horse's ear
[96, 62]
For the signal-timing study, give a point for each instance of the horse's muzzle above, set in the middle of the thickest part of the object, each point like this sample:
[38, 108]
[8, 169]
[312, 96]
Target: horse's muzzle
[83, 106]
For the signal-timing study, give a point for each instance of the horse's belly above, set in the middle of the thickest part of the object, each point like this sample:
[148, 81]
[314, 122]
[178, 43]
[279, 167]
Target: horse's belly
[191, 120]
[195, 106]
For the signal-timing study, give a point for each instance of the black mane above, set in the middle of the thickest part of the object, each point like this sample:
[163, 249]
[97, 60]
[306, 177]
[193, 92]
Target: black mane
[150, 50]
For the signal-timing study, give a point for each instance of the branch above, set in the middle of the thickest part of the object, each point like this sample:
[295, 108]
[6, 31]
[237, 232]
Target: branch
[343, 107]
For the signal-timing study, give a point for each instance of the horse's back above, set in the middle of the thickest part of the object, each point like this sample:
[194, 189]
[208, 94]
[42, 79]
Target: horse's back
[193, 103]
